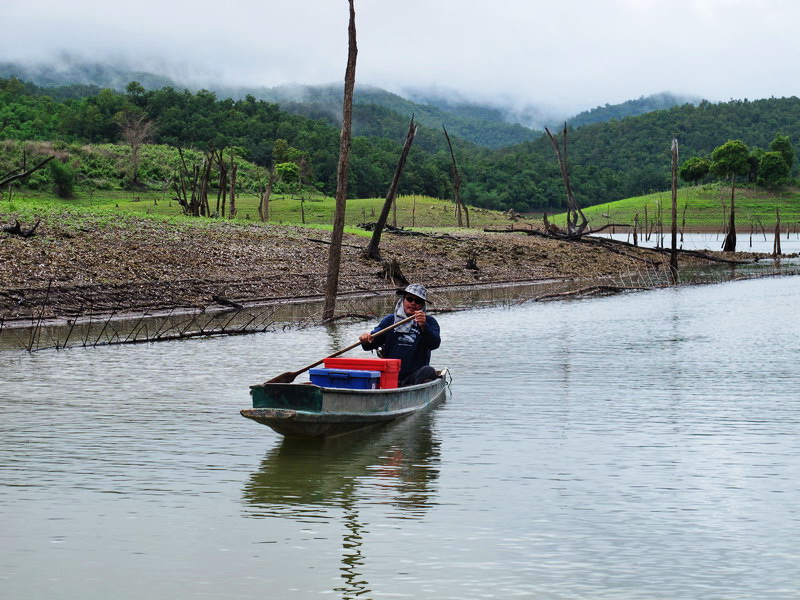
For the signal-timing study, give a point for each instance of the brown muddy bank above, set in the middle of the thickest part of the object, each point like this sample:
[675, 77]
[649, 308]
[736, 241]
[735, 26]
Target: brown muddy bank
[132, 265]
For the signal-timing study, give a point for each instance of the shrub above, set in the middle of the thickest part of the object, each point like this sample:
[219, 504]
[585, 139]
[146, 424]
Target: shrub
[773, 170]
[63, 179]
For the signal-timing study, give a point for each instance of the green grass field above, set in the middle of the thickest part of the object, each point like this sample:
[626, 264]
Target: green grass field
[701, 208]
[704, 208]
[312, 211]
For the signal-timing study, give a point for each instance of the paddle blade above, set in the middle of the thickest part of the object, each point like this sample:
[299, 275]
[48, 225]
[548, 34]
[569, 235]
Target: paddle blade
[287, 377]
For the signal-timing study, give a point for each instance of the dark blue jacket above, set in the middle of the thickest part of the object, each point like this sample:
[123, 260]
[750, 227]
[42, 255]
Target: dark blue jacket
[412, 348]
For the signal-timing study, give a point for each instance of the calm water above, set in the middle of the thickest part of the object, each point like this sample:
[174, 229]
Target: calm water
[745, 242]
[638, 446]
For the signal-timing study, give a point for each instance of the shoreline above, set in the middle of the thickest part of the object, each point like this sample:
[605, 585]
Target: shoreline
[256, 305]
[134, 266]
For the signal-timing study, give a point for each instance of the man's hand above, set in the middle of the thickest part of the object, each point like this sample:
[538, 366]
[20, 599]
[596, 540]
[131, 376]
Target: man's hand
[419, 319]
[365, 338]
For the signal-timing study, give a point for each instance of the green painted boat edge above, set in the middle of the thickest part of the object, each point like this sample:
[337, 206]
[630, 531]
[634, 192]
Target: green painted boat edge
[292, 422]
[305, 397]
[328, 417]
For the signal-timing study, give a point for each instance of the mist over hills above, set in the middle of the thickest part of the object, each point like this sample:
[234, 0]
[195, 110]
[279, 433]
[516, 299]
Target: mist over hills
[66, 72]
[618, 158]
[490, 126]
[631, 108]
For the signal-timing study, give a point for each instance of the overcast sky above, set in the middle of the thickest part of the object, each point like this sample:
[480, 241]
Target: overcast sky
[567, 55]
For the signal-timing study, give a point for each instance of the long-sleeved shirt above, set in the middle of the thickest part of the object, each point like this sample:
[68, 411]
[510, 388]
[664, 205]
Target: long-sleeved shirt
[413, 348]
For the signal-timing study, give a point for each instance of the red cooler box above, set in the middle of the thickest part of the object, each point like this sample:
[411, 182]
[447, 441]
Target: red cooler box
[388, 367]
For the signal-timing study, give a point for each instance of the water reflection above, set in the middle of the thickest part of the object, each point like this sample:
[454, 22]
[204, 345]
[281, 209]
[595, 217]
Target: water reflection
[305, 479]
[279, 316]
[745, 242]
[634, 446]
[313, 480]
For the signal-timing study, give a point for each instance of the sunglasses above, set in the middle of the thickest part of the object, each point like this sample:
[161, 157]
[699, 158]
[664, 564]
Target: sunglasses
[413, 300]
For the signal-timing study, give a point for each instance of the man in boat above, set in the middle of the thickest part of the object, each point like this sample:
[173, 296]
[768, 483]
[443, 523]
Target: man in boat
[411, 342]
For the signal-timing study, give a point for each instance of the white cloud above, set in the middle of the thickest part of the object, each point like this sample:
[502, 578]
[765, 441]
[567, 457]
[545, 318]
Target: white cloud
[572, 54]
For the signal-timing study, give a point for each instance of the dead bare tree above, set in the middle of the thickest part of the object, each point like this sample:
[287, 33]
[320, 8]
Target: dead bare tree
[673, 257]
[729, 244]
[373, 249]
[222, 188]
[234, 169]
[456, 183]
[183, 184]
[137, 129]
[573, 210]
[191, 187]
[776, 244]
[208, 163]
[263, 205]
[345, 138]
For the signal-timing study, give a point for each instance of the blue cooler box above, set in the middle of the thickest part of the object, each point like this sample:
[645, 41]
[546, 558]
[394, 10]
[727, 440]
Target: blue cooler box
[345, 378]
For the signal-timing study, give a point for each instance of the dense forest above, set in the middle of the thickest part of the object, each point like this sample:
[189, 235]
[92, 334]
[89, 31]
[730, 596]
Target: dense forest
[630, 108]
[479, 124]
[608, 161]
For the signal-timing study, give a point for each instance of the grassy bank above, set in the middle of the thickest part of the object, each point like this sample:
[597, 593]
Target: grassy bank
[284, 209]
[700, 208]
[703, 208]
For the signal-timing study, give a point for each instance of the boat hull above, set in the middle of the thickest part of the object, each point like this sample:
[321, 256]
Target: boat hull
[306, 410]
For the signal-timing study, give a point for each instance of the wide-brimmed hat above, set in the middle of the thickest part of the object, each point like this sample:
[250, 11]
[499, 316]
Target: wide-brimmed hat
[415, 289]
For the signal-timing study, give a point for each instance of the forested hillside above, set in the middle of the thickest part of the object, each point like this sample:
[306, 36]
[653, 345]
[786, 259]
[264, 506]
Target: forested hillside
[630, 108]
[482, 126]
[201, 121]
[608, 161]
[488, 126]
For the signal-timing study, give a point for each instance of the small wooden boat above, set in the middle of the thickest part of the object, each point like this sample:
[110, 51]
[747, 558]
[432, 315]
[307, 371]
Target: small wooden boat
[307, 410]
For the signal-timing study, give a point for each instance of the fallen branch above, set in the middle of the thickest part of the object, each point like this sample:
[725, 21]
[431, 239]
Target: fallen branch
[16, 229]
[357, 316]
[225, 302]
[607, 242]
[318, 241]
[604, 227]
[592, 290]
[10, 178]
[403, 231]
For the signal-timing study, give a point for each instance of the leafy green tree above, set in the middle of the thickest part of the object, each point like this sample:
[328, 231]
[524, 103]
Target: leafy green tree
[287, 171]
[773, 170]
[754, 161]
[134, 88]
[280, 151]
[730, 160]
[695, 169]
[783, 144]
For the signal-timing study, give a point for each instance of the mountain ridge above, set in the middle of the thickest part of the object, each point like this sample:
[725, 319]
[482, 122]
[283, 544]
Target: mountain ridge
[482, 124]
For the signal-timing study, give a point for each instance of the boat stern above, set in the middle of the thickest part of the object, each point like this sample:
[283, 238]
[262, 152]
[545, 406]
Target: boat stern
[290, 396]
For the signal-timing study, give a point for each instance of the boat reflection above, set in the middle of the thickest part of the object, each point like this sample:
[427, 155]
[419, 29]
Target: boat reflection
[314, 480]
[305, 479]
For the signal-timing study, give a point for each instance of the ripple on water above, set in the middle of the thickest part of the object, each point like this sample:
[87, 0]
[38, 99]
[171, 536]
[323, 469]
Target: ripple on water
[637, 446]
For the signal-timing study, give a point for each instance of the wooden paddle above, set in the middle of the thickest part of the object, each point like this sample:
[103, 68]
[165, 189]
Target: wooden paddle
[289, 376]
